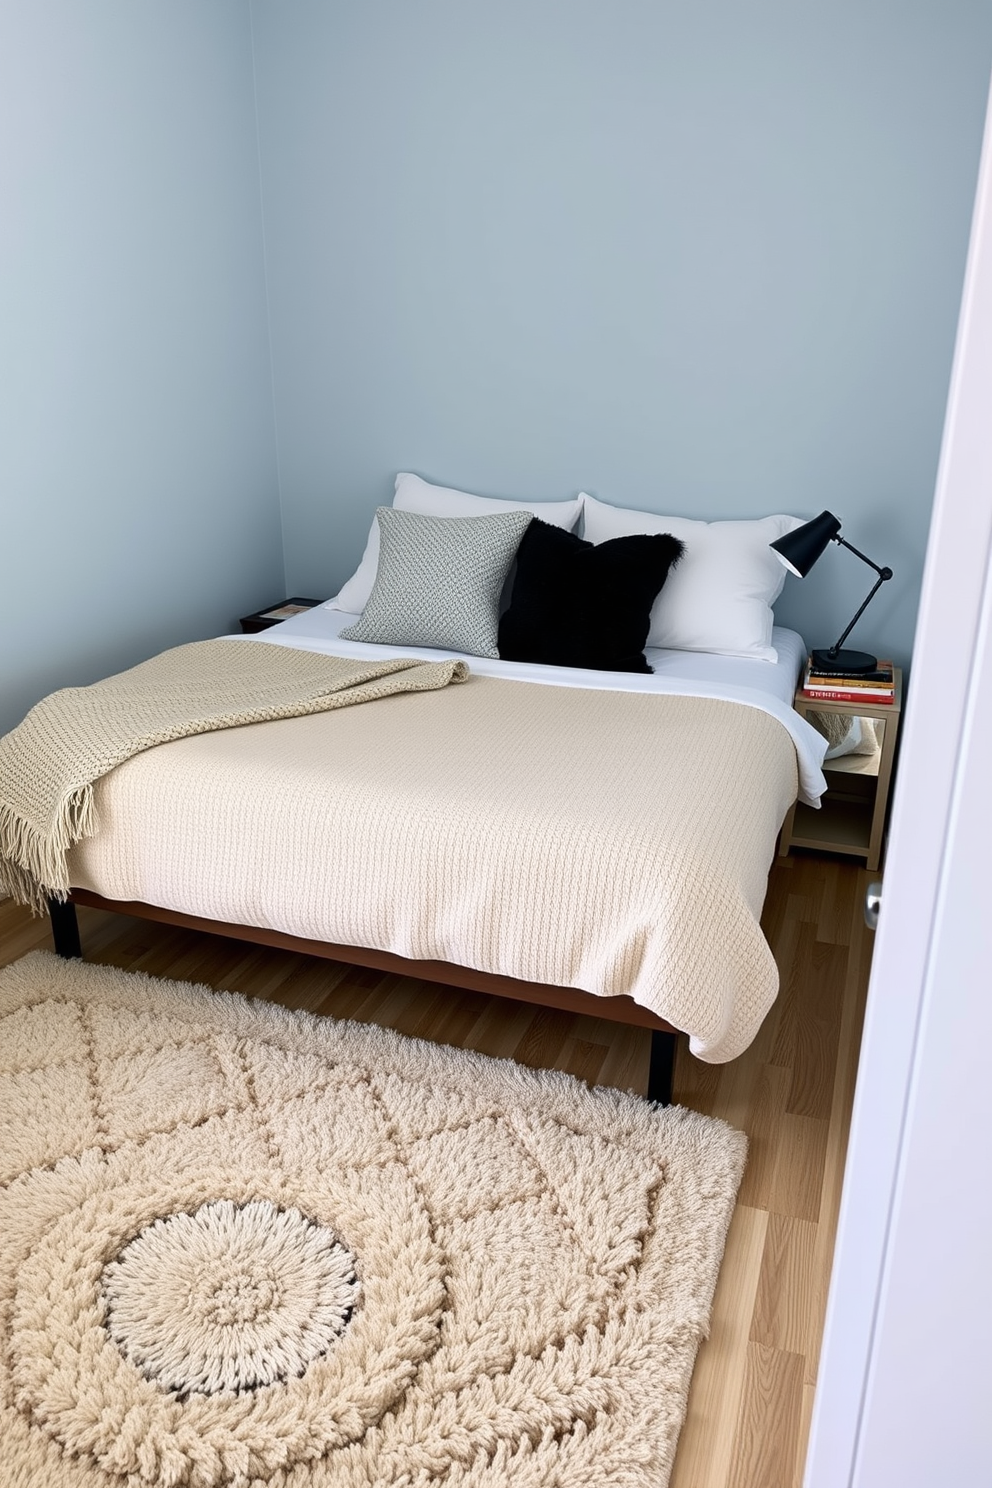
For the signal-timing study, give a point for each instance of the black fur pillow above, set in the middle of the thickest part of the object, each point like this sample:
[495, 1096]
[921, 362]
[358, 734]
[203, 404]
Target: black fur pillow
[575, 603]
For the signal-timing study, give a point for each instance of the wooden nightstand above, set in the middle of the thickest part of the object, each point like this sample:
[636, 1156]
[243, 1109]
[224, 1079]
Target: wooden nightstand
[272, 614]
[851, 818]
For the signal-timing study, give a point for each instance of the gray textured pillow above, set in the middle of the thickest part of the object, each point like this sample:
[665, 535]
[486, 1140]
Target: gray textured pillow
[439, 580]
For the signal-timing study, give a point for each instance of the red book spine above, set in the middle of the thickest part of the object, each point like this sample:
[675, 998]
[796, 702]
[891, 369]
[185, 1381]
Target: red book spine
[831, 695]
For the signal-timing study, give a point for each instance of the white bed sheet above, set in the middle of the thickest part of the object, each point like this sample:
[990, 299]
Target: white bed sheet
[767, 685]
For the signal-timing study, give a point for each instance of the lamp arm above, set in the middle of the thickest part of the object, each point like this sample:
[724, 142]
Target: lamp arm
[883, 574]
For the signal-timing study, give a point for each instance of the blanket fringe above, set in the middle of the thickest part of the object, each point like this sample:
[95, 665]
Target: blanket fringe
[76, 736]
[33, 864]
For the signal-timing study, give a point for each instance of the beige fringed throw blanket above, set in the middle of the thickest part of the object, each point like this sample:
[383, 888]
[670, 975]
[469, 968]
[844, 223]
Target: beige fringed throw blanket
[74, 737]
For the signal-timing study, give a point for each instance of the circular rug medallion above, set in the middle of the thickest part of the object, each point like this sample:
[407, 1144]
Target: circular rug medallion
[170, 1336]
[230, 1297]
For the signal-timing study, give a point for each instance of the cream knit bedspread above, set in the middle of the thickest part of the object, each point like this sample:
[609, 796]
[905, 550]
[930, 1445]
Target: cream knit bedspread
[616, 842]
[48, 764]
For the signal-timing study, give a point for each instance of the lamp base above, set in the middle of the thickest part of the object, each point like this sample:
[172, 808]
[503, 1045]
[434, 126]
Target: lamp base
[844, 663]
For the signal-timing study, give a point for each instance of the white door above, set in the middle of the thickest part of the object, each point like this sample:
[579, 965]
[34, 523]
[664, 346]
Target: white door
[905, 1387]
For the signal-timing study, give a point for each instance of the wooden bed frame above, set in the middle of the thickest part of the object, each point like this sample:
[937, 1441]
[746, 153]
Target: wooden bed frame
[65, 934]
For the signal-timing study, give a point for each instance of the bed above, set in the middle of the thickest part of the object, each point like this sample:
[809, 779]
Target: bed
[578, 837]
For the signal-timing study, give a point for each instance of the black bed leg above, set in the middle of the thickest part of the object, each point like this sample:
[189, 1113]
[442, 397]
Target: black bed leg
[65, 928]
[662, 1067]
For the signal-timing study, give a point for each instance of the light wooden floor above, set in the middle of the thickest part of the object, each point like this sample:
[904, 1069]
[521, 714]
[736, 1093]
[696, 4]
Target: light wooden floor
[752, 1391]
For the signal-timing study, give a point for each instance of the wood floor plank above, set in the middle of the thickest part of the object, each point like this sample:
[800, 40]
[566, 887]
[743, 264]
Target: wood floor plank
[777, 906]
[805, 1422]
[429, 1009]
[542, 1042]
[800, 1158]
[350, 993]
[310, 986]
[450, 1019]
[820, 970]
[785, 1304]
[841, 898]
[757, 1106]
[582, 1058]
[20, 933]
[850, 1019]
[627, 1058]
[771, 1413]
[705, 1453]
[698, 1084]
[500, 1028]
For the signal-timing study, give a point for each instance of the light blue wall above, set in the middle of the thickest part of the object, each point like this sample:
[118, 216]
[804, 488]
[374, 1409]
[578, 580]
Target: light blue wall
[695, 258]
[702, 259]
[138, 494]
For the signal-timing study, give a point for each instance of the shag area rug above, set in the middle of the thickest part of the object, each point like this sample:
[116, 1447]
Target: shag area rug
[245, 1246]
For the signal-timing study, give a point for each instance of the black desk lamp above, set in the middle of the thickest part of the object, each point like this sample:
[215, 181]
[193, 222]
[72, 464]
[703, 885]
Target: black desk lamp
[799, 550]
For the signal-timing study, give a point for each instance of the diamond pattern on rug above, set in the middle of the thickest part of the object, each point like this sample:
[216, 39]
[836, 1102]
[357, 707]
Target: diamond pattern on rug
[61, 1103]
[291, 1072]
[476, 1167]
[602, 1190]
[413, 1107]
[340, 1125]
[163, 1087]
[38, 1037]
[240, 1245]
[525, 1273]
[120, 1033]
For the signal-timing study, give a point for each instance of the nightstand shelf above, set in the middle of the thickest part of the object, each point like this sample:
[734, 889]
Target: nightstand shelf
[852, 814]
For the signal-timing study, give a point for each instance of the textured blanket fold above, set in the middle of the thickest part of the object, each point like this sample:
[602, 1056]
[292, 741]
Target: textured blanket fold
[49, 763]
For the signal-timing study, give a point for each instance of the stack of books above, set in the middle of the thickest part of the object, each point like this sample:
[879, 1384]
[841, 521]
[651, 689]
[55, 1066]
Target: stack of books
[871, 688]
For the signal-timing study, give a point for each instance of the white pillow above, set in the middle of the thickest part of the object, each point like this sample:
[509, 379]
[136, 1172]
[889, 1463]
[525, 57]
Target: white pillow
[416, 495]
[719, 597]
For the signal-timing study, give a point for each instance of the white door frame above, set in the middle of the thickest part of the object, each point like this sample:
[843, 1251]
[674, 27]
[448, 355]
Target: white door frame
[896, 1345]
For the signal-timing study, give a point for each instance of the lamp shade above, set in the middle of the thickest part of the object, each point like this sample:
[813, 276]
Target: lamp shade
[800, 549]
